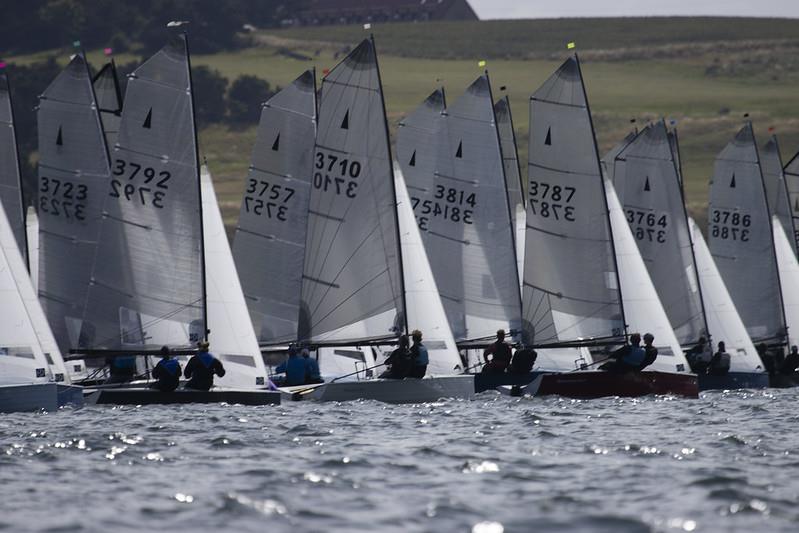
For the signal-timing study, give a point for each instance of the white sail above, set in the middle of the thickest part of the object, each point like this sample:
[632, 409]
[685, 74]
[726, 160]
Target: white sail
[422, 301]
[789, 279]
[232, 336]
[28, 351]
[32, 227]
[723, 321]
[642, 308]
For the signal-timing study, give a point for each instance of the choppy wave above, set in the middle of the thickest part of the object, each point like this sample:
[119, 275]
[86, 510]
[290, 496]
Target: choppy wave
[726, 462]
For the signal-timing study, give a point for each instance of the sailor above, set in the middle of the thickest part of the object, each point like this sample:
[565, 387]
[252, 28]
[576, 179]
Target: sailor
[166, 372]
[523, 360]
[419, 356]
[791, 362]
[720, 363]
[295, 368]
[201, 368]
[399, 361]
[628, 358]
[312, 374]
[650, 352]
[767, 357]
[696, 356]
[500, 355]
[122, 369]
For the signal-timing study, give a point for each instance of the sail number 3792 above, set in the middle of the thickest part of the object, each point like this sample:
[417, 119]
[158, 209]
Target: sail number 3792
[139, 184]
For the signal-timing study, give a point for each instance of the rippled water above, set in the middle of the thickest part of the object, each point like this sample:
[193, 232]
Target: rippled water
[727, 462]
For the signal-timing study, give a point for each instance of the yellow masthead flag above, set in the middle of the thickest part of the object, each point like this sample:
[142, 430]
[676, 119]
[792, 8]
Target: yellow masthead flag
[570, 45]
[481, 63]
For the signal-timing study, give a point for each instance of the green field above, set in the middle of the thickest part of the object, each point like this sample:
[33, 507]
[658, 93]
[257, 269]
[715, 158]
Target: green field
[703, 73]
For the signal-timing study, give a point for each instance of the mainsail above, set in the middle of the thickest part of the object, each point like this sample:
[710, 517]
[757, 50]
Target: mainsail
[571, 286]
[779, 201]
[10, 178]
[73, 179]
[156, 295]
[740, 238]
[789, 280]
[232, 335]
[723, 321]
[463, 212]
[28, 351]
[791, 173]
[352, 285]
[647, 181]
[109, 100]
[269, 246]
[513, 175]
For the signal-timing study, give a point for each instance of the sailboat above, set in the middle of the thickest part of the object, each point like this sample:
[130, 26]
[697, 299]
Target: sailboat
[109, 100]
[151, 283]
[791, 173]
[741, 240]
[353, 282]
[646, 172]
[32, 372]
[586, 283]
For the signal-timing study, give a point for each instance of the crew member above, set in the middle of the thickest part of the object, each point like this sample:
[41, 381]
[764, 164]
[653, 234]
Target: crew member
[697, 356]
[650, 352]
[628, 358]
[523, 360]
[295, 368]
[312, 374]
[720, 363]
[201, 368]
[791, 362]
[166, 372]
[419, 356]
[500, 355]
[399, 362]
[122, 369]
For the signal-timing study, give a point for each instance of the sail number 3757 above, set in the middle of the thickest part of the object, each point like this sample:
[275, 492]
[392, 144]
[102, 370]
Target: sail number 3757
[335, 174]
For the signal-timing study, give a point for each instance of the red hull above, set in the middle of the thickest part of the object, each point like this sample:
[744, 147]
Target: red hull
[593, 384]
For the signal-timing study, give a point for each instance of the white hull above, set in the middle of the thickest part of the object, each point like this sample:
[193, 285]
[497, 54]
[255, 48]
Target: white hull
[387, 390]
[37, 396]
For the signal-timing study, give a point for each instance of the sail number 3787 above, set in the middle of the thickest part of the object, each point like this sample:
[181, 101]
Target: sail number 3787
[551, 201]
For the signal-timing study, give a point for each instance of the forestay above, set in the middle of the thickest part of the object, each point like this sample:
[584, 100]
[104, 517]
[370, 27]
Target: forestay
[571, 286]
[425, 311]
[643, 309]
[73, 180]
[647, 181]
[232, 336]
[779, 202]
[723, 321]
[789, 280]
[513, 176]
[740, 238]
[791, 173]
[28, 351]
[10, 180]
[352, 275]
[463, 212]
[148, 284]
[269, 246]
[109, 100]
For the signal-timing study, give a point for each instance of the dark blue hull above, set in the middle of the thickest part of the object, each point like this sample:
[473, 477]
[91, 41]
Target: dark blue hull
[734, 380]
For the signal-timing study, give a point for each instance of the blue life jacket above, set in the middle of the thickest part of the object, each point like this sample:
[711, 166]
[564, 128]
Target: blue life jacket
[422, 359]
[206, 358]
[312, 368]
[126, 362]
[294, 367]
[171, 366]
[635, 356]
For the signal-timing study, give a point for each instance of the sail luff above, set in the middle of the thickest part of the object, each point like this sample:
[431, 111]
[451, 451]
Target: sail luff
[791, 173]
[604, 190]
[11, 176]
[777, 194]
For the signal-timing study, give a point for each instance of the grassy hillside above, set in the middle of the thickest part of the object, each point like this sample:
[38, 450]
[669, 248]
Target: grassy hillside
[703, 73]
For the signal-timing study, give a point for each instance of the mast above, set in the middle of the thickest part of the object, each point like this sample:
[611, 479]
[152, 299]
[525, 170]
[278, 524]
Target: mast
[203, 276]
[604, 194]
[513, 137]
[511, 218]
[393, 190]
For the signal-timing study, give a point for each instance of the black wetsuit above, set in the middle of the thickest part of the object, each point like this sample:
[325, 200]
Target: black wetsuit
[790, 364]
[400, 362]
[523, 361]
[501, 356]
[167, 375]
[201, 369]
[650, 354]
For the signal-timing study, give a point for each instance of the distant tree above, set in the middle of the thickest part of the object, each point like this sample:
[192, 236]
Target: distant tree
[245, 97]
[209, 95]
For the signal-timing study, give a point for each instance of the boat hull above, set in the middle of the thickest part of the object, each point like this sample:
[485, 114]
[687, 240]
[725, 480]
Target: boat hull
[484, 382]
[597, 384]
[141, 396]
[387, 390]
[734, 380]
[38, 396]
[782, 381]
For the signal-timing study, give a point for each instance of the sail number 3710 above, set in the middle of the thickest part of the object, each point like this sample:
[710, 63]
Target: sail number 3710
[336, 174]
